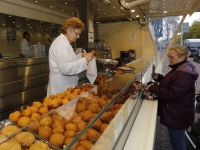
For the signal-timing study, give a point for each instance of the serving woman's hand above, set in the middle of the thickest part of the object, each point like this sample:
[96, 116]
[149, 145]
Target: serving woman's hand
[88, 56]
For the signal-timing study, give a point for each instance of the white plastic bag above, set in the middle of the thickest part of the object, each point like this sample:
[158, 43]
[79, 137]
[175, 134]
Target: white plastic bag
[91, 71]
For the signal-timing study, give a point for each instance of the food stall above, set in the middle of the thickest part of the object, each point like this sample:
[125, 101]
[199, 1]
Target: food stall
[98, 117]
[111, 115]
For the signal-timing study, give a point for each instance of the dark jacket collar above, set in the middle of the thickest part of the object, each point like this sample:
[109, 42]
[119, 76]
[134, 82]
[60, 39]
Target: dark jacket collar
[178, 64]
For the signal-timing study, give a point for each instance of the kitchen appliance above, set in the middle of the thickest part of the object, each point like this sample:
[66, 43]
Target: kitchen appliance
[132, 54]
[125, 55]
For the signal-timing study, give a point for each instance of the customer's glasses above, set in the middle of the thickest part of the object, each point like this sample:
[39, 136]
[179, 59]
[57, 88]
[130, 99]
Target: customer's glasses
[169, 56]
[77, 34]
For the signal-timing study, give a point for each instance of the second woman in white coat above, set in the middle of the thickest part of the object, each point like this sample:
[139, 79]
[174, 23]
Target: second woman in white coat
[64, 64]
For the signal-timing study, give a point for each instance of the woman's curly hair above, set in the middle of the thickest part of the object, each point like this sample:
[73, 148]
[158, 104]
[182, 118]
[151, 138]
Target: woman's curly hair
[73, 23]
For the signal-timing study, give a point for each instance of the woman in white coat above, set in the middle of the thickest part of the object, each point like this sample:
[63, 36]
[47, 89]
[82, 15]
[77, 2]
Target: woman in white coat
[64, 64]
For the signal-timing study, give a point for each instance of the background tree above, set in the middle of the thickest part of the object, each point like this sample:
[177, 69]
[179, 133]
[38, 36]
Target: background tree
[194, 31]
[177, 39]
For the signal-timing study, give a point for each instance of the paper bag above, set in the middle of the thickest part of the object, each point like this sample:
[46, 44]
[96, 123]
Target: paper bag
[91, 72]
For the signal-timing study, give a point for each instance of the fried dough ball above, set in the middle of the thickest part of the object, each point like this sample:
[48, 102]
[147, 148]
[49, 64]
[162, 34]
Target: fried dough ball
[26, 112]
[90, 95]
[35, 116]
[111, 108]
[55, 103]
[52, 109]
[114, 112]
[37, 104]
[81, 125]
[57, 139]
[83, 91]
[52, 96]
[60, 95]
[71, 126]
[95, 98]
[65, 100]
[97, 124]
[104, 96]
[102, 103]
[77, 87]
[34, 126]
[99, 109]
[73, 95]
[86, 115]
[68, 140]
[107, 116]
[89, 100]
[43, 110]
[77, 119]
[56, 116]
[2, 136]
[81, 148]
[67, 93]
[83, 137]
[25, 138]
[46, 121]
[46, 102]
[33, 108]
[15, 116]
[57, 123]
[7, 130]
[87, 144]
[116, 106]
[10, 145]
[93, 135]
[93, 107]
[69, 134]
[108, 100]
[70, 89]
[103, 127]
[80, 107]
[23, 121]
[59, 129]
[39, 146]
[83, 100]
[77, 91]
[74, 147]
[45, 132]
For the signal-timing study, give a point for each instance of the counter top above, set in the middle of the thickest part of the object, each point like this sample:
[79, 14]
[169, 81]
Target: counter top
[142, 134]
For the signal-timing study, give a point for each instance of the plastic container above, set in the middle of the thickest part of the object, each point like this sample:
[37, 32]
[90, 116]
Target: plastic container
[35, 50]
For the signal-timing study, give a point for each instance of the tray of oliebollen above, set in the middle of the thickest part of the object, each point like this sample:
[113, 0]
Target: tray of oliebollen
[13, 137]
[7, 129]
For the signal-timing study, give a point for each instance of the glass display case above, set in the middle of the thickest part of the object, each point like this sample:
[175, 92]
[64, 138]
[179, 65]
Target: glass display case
[100, 118]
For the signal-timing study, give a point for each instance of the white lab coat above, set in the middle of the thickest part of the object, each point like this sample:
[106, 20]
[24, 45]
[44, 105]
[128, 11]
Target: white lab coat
[64, 66]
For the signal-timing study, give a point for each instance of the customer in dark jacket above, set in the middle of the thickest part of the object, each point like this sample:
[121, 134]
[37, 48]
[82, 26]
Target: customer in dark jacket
[176, 93]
